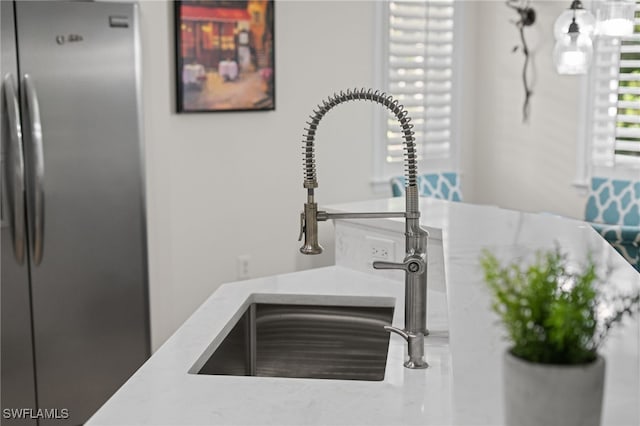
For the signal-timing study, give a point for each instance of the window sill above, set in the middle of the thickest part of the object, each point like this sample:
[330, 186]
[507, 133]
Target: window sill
[626, 172]
[581, 186]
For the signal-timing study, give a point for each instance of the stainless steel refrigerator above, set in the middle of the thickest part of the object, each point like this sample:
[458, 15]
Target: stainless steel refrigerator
[75, 320]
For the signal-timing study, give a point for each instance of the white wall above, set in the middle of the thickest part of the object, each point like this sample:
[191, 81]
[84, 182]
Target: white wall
[524, 166]
[222, 185]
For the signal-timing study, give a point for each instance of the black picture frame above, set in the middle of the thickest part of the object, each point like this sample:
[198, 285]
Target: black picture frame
[224, 55]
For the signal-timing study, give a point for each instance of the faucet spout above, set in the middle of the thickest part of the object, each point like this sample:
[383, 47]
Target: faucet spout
[415, 262]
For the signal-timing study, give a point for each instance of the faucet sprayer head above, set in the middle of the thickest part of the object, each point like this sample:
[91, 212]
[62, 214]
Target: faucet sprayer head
[309, 227]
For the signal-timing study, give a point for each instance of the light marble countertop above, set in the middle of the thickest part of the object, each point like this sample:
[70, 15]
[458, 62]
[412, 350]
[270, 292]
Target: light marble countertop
[463, 384]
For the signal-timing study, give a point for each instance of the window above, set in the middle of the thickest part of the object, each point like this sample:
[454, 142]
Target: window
[615, 105]
[418, 68]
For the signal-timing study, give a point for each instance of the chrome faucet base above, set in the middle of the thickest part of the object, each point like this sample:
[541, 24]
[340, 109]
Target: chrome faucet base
[416, 364]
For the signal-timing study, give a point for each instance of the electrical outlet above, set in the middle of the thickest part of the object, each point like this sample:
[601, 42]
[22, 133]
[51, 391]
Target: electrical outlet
[242, 267]
[380, 249]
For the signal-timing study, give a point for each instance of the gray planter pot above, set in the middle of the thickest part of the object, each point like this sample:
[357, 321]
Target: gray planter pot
[546, 394]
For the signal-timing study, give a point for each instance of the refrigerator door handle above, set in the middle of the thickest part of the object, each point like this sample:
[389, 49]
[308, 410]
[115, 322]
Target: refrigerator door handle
[36, 185]
[16, 193]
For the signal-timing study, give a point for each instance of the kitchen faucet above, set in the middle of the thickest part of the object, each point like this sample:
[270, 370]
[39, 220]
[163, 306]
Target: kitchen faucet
[414, 264]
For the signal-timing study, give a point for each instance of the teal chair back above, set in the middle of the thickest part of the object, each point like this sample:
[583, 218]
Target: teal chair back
[614, 202]
[445, 186]
[613, 208]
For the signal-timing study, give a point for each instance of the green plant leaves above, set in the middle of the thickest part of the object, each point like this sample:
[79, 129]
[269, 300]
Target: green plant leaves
[550, 314]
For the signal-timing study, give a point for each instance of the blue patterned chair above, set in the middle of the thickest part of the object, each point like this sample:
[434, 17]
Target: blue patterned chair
[613, 208]
[445, 186]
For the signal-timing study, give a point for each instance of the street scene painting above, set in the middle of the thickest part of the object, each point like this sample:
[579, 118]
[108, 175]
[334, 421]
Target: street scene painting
[225, 55]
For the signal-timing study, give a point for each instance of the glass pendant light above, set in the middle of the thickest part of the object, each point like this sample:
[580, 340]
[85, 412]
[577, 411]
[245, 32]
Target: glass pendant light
[572, 52]
[585, 20]
[615, 18]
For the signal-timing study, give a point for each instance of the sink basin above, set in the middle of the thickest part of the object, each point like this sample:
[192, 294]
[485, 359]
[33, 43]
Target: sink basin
[305, 341]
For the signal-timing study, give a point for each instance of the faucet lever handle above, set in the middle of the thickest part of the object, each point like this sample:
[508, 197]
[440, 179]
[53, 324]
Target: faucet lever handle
[412, 264]
[381, 264]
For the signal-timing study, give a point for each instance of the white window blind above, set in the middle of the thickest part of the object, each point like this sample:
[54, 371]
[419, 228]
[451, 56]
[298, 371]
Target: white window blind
[419, 72]
[615, 132]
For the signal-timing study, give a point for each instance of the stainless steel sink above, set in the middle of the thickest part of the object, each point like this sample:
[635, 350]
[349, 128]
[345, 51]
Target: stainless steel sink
[305, 341]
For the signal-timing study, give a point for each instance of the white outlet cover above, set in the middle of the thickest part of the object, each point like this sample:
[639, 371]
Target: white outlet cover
[242, 267]
[380, 249]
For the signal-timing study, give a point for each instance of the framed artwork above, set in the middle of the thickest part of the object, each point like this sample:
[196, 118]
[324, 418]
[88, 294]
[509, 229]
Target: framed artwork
[225, 55]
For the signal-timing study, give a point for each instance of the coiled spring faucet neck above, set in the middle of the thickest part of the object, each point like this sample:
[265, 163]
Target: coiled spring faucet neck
[310, 180]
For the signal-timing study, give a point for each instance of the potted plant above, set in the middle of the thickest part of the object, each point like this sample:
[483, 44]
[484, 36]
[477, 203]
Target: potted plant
[553, 374]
